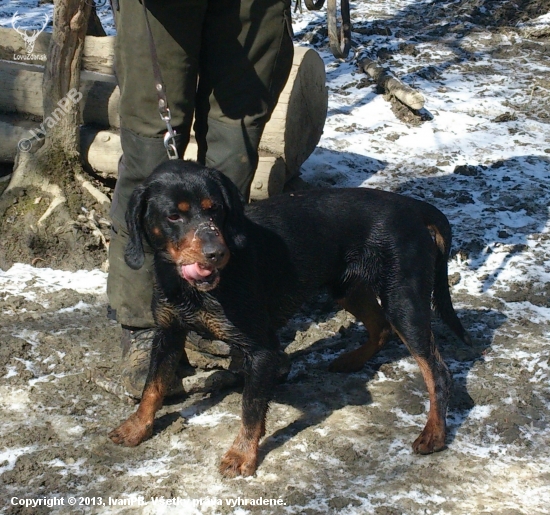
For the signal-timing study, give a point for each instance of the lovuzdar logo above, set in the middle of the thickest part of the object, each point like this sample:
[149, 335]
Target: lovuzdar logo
[29, 37]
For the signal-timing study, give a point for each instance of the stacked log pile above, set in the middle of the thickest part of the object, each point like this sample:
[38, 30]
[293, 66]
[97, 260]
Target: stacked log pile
[289, 138]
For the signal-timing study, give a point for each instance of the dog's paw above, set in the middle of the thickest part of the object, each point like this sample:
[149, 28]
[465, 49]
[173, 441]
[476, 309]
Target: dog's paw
[132, 432]
[236, 463]
[429, 441]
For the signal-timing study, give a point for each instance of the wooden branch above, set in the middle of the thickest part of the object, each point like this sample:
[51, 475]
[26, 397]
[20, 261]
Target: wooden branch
[339, 37]
[388, 82]
[270, 177]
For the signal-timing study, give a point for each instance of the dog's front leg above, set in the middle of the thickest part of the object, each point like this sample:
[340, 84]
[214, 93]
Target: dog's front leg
[260, 374]
[165, 354]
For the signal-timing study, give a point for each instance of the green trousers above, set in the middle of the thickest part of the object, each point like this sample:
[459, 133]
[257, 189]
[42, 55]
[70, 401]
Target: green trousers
[224, 64]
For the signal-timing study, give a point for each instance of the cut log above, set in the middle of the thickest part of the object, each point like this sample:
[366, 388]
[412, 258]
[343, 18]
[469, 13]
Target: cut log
[11, 133]
[21, 77]
[12, 47]
[21, 92]
[101, 150]
[269, 179]
[97, 56]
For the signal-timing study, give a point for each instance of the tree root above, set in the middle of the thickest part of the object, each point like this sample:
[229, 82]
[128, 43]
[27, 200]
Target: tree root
[102, 199]
[47, 214]
[26, 176]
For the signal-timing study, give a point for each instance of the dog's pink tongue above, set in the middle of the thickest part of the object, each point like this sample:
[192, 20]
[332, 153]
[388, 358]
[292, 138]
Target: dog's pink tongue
[194, 272]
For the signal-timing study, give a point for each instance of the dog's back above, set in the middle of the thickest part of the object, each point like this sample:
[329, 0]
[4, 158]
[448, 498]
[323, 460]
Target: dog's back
[337, 238]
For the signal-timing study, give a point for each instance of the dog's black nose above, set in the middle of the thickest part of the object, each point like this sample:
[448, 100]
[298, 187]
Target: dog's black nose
[214, 253]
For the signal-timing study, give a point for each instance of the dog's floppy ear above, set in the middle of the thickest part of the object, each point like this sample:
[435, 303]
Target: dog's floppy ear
[133, 253]
[234, 227]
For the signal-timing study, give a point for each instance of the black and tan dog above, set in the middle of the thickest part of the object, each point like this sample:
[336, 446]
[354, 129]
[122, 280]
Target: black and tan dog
[237, 274]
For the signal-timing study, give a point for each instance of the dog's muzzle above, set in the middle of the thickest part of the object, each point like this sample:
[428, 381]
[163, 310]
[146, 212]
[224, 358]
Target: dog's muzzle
[213, 245]
[204, 274]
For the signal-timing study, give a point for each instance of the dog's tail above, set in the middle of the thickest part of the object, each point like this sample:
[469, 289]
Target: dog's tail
[439, 226]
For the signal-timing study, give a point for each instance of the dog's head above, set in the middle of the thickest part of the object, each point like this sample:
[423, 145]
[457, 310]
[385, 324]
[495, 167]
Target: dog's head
[191, 216]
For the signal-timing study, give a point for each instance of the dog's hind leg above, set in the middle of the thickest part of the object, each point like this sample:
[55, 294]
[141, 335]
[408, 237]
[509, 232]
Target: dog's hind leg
[260, 379]
[166, 352]
[411, 321]
[363, 305]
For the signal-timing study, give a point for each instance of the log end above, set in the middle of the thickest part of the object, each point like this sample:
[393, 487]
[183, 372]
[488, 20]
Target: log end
[297, 122]
[269, 178]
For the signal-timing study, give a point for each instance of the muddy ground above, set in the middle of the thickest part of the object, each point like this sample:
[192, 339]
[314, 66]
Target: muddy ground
[335, 443]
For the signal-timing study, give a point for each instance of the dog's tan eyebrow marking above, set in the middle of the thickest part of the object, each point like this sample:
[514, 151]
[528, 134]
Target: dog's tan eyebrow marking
[184, 206]
[206, 203]
[156, 231]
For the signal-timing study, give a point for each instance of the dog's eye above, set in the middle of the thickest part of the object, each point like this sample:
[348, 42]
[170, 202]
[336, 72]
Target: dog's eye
[209, 205]
[174, 217]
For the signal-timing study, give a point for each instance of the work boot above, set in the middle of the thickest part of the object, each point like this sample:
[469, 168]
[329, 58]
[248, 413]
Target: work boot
[136, 346]
[214, 354]
[202, 353]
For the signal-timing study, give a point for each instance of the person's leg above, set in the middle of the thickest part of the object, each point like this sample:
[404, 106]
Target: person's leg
[176, 28]
[246, 58]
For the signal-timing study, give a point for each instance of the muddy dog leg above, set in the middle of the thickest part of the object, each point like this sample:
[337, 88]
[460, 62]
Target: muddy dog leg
[166, 352]
[362, 304]
[413, 327]
[260, 378]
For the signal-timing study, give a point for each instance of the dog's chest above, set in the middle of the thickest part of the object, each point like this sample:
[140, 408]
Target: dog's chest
[207, 317]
